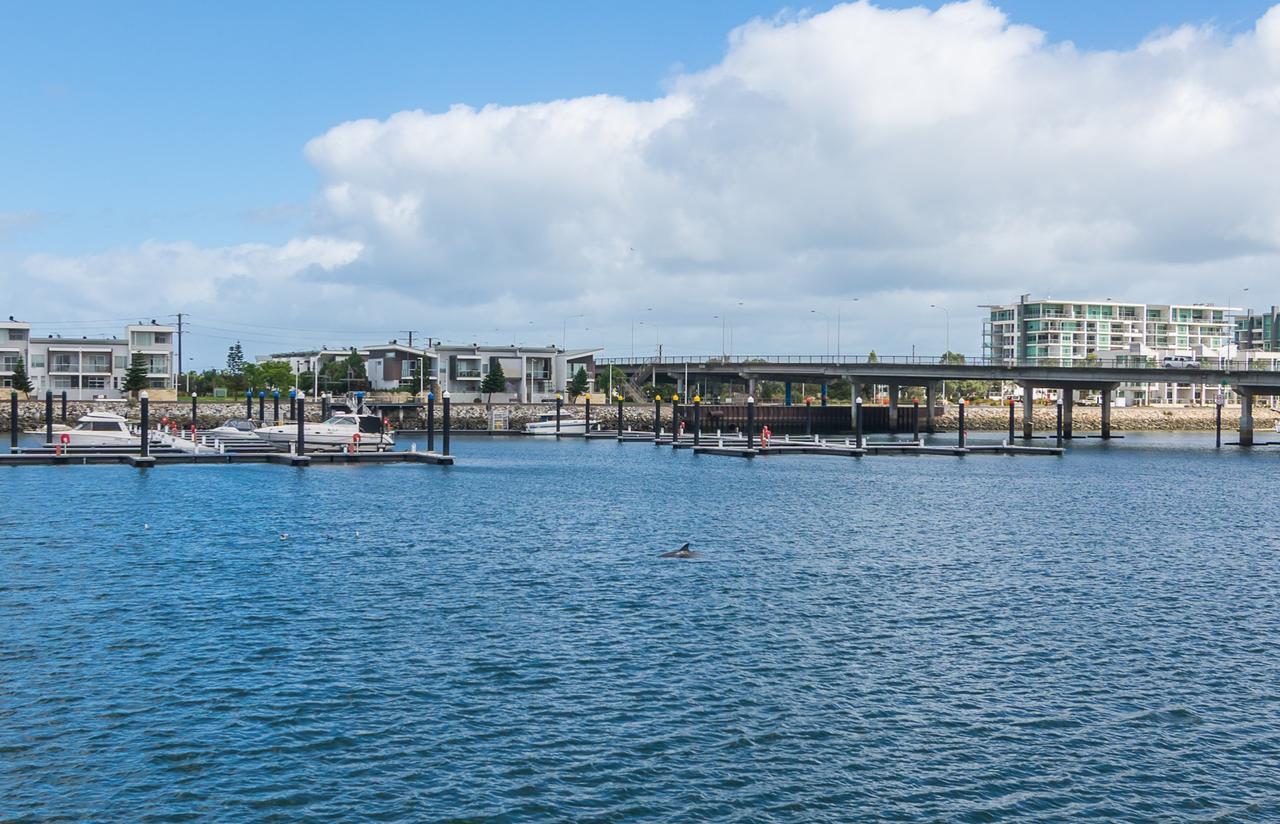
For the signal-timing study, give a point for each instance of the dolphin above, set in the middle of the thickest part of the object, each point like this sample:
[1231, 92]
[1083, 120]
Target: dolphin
[682, 552]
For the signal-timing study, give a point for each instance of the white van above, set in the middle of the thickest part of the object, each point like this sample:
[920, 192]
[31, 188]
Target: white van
[1180, 362]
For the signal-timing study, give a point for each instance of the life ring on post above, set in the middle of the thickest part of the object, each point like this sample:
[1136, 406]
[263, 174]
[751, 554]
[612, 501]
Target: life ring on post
[765, 434]
[63, 441]
[355, 443]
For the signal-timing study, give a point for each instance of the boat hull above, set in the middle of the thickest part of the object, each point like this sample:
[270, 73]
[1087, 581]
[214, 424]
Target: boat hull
[320, 435]
[567, 427]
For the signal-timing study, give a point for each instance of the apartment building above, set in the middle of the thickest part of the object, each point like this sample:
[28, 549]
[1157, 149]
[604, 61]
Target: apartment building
[1258, 332]
[87, 368]
[1051, 332]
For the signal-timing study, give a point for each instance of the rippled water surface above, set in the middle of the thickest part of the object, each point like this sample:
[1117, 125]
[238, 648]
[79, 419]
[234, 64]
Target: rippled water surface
[902, 638]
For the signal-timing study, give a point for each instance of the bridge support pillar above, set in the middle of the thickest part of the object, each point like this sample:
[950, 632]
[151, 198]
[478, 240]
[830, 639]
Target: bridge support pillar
[1068, 398]
[1028, 411]
[787, 390]
[930, 402]
[893, 408]
[1246, 416]
[751, 387]
[1106, 413]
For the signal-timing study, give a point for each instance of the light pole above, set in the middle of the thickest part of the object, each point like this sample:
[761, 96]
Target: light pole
[948, 317]
[839, 306]
[828, 319]
[723, 351]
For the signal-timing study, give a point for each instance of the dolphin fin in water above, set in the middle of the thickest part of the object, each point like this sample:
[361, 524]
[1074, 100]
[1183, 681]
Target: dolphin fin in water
[682, 552]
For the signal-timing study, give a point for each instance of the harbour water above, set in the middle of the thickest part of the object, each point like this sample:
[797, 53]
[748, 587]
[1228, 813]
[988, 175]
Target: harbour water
[895, 638]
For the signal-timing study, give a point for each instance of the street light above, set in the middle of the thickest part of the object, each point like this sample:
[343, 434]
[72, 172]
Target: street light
[828, 319]
[839, 306]
[948, 316]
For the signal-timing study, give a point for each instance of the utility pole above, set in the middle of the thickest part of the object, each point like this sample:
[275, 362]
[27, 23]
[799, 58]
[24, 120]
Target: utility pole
[181, 370]
[410, 333]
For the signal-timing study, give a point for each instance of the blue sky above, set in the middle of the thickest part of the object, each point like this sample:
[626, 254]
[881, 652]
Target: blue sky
[133, 122]
[141, 120]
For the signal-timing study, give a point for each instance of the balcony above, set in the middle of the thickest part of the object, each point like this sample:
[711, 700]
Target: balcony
[467, 374]
[538, 374]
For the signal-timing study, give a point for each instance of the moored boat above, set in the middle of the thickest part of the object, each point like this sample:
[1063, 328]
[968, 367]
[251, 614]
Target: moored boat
[99, 429]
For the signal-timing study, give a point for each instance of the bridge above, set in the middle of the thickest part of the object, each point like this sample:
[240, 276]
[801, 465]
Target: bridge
[929, 373]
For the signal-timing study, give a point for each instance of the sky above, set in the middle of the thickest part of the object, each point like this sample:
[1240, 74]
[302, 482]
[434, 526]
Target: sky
[799, 179]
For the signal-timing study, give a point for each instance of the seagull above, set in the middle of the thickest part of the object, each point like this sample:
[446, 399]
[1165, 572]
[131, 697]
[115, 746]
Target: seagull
[284, 536]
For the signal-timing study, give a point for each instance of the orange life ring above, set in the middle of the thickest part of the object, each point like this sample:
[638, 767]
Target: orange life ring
[765, 434]
[66, 439]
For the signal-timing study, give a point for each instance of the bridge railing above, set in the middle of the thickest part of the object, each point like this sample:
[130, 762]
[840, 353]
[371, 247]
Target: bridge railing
[1155, 364]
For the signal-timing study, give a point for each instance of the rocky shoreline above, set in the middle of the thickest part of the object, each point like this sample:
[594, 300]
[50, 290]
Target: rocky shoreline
[640, 416]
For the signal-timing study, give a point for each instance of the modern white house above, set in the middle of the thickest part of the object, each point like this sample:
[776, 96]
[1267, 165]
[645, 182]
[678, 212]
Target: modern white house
[532, 374]
[87, 368]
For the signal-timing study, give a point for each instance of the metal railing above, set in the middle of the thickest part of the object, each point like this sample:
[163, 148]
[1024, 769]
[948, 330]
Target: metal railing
[1236, 364]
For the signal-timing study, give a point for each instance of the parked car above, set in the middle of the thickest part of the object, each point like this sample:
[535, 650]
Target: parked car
[1179, 362]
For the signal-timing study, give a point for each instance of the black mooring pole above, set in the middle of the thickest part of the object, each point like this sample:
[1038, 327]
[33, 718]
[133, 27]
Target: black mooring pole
[675, 418]
[559, 403]
[193, 408]
[144, 448]
[64, 407]
[275, 406]
[1217, 424]
[751, 421]
[1012, 420]
[619, 416]
[444, 438]
[300, 410]
[697, 418]
[13, 421]
[857, 423]
[430, 421]
[262, 407]
[960, 427]
[915, 422]
[588, 414]
[48, 416]
[1059, 418]
[657, 417]
[248, 404]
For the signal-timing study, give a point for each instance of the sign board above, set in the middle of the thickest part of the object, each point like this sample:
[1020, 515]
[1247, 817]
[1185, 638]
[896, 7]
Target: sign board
[499, 420]
[1220, 399]
[219, 391]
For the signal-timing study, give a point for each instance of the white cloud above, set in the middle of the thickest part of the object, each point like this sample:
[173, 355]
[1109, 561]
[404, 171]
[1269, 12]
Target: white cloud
[906, 157]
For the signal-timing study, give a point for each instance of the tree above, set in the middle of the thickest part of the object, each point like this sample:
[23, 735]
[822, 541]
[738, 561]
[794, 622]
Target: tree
[21, 380]
[872, 357]
[276, 374]
[578, 386]
[235, 358]
[495, 381]
[613, 378]
[135, 378]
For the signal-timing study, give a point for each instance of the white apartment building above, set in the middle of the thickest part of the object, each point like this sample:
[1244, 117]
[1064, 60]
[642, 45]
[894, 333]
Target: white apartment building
[1050, 332]
[87, 368]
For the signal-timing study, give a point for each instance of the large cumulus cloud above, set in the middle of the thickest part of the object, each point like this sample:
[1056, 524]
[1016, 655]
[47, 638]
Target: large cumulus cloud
[901, 157]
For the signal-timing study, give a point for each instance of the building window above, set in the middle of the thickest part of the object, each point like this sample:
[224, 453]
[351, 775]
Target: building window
[17, 334]
[95, 382]
[63, 363]
[157, 364]
[9, 362]
[97, 363]
[37, 361]
[64, 382]
[122, 361]
[143, 339]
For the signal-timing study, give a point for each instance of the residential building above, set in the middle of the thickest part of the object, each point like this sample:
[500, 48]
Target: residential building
[533, 373]
[1259, 332]
[87, 368]
[1051, 332]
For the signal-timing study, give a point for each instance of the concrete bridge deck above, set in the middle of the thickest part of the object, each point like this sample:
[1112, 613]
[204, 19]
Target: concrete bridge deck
[931, 372]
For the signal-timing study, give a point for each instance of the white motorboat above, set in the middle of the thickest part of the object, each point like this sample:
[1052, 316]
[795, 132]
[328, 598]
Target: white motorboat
[339, 430]
[100, 429]
[235, 428]
[546, 425]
